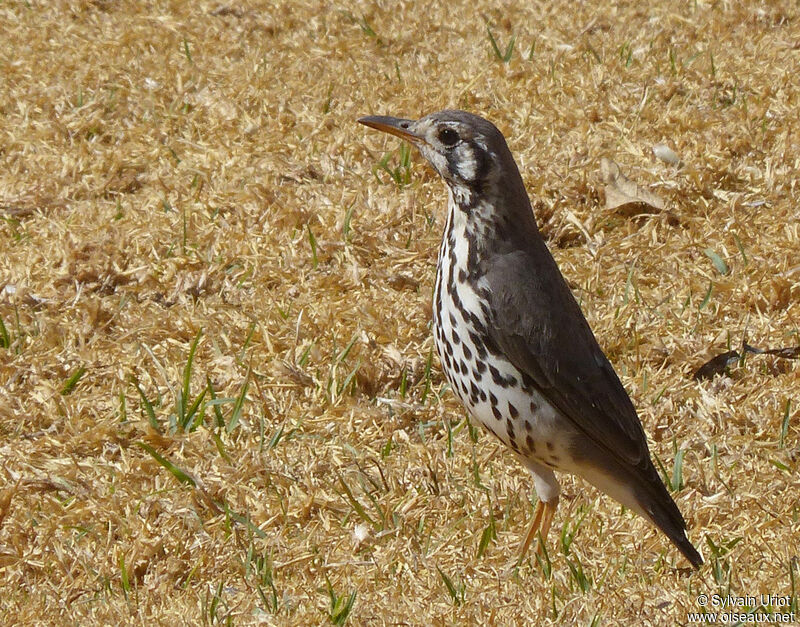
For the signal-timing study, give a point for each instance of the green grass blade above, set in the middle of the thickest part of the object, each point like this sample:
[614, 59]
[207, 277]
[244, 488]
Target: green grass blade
[148, 406]
[5, 340]
[193, 411]
[354, 503]
[677, 471]
[451, 589]
[178, 473]
[215, 405]
[70, 383]
[785, 423]
[187, 380]
[495, 47]
[237, 407]
[312, 240]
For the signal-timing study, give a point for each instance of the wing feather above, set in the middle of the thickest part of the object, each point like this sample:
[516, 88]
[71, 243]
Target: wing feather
[537, 324]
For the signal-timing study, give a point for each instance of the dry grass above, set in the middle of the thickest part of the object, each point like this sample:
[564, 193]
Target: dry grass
[171, 167]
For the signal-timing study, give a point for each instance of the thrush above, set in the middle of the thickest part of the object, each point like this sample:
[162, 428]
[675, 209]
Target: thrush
[512, 340]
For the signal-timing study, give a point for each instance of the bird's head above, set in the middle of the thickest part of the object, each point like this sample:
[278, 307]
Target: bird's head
[468, 152]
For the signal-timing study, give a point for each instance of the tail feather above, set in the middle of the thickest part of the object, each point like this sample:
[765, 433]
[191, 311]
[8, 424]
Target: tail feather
[657, 503]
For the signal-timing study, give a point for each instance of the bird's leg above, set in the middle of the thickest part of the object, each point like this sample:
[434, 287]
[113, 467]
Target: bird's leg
[547, 520]
[535, 524]
[542, 520]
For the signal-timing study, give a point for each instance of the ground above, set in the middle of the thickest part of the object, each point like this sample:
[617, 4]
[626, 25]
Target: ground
[218, 400]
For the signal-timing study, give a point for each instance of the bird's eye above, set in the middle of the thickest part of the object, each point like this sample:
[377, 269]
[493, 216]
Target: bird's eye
[448, 136]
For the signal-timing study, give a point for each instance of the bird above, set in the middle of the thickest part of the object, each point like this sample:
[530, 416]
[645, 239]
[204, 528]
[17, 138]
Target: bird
[512, 340]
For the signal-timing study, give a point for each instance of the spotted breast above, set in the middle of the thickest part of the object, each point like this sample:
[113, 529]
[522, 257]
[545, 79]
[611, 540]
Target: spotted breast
[497, 395]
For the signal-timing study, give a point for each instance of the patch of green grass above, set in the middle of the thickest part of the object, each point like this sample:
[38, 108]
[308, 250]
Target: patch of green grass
[125, 582]
[570, 529]
[258, 568]
[489, 533]
[674, 480]
[720, 562]
[785, 424]
[214, 609]
[312, 240]
[346, 224]
[177, 472]
[334, 388]
[238, 404]
[355, 504]
[341, 605]
[400, 173]
[72, 381]
[147, 406]
[505, 56]
[5, 339]
[543, 560]
[457, 590]
[707, 297]
[741, 249]
[582, 580]
[184, 411]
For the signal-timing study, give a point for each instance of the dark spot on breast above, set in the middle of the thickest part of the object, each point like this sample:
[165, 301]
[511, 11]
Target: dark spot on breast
[528, 384]
[478, 343]
[492, 399]
[462, 276]
[512, 410]
[447, 362]
[496, 412]
[500, 380]
[456, 300]
[456, 339]
[477, 375]
[453, 322]
[483, 395]
[481, 366]
[528, 425]
[534, 407]
[512, 441]
[476, 323]
[474, 389]
[509, 425]
[467, 352]
[449, 348]
[491, 346]
[530, 443]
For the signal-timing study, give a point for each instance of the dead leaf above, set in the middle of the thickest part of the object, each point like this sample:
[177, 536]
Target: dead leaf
[623, 194]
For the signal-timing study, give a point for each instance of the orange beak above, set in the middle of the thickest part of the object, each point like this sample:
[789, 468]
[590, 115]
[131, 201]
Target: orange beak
[393, 126]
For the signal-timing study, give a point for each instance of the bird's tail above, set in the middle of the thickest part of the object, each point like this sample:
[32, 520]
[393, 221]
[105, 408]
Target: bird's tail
[658, 506]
